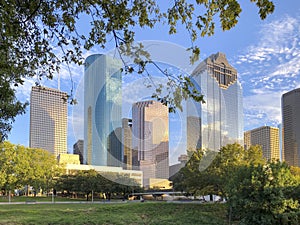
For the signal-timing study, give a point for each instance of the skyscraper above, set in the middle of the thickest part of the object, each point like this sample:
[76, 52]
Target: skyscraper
[127, 143]
[150, 128]
[219, 121]
[267, 137]
[78, 150]
[48, 120]
[102, 111]
[290, 104]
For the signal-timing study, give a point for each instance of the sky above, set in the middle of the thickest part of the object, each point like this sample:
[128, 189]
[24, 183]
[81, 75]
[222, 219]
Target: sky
[265, 53]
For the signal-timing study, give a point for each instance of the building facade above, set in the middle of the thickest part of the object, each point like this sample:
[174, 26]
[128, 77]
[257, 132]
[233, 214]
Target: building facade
[150, 128]
[48, 120]
[78, 150]
[290, 104]
[219, 121]
[102, 111]
[127, 145]
[268, 138]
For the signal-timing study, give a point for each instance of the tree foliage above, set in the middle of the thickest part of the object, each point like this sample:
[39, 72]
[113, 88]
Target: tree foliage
[260, 195]
[207, 172]
[86, 182]
[257, 191]
[9, 107]
[36, 37]
[21, 166]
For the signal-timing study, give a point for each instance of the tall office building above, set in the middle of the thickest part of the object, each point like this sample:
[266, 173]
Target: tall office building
[48, 120]
[102, 111]
[78, 150]
[290, 104]
[267, 137]
[150, 128]
[127, 144]
[219, 121]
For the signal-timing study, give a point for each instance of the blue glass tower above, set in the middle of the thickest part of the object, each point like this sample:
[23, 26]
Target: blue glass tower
[219, 121]
[102, 111]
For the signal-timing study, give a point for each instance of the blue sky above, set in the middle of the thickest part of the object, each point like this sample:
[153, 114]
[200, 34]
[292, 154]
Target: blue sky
[265, 53]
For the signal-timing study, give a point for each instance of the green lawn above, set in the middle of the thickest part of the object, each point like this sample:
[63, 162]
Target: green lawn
[123, 213]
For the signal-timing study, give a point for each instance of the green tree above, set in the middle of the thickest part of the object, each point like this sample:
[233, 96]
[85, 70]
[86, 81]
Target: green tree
[124, 185]
[258, 195]
[90, 181]
[21, 166]
[208, 172]
[34, 33]
[84, 182]
[9, 107]
[228, 160]
[194, 178]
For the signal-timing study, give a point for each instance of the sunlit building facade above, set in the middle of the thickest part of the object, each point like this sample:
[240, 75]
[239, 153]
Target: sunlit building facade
[128, 159]
[267, 137]
[48, 120]
[290, 104]
[102, 111]
[150, 128]
[219, 121]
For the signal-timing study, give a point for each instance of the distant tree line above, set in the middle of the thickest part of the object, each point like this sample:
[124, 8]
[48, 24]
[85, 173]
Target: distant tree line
[257, 191]
[105, 185]
[22, 167]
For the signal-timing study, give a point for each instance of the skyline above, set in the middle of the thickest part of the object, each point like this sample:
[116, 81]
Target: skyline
[265, 54]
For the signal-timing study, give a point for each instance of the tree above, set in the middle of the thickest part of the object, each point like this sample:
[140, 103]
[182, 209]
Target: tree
[91, 181]
[33, 34]
[21, 166]
[208, 172]
[194, 178]
[9, 107]
[258, 195]
[228, 160]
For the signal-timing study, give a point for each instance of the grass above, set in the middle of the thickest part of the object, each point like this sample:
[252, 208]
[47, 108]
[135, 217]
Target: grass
[38, 199]
[130, 213]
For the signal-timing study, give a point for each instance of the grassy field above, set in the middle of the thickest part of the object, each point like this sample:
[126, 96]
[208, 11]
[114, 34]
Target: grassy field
[130, 213]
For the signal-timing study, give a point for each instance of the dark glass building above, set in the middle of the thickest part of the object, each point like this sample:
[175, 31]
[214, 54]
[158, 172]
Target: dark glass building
[290, 104]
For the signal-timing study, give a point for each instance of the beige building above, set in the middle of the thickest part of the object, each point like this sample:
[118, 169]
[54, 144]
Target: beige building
[68, 159]
[127, 143]
[267, 137]
[48, 120]
[150, 128]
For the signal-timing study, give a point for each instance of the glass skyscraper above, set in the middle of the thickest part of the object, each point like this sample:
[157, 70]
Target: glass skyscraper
[102, 111]
[290, 104]
[48, 120]
[219, 121]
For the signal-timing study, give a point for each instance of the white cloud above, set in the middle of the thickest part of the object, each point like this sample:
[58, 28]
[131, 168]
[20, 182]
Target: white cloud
[268, 69]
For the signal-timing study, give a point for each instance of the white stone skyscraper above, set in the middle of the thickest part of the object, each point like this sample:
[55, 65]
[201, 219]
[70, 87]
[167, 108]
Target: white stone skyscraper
[150, 129]
[218, 121]
[48, 120]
